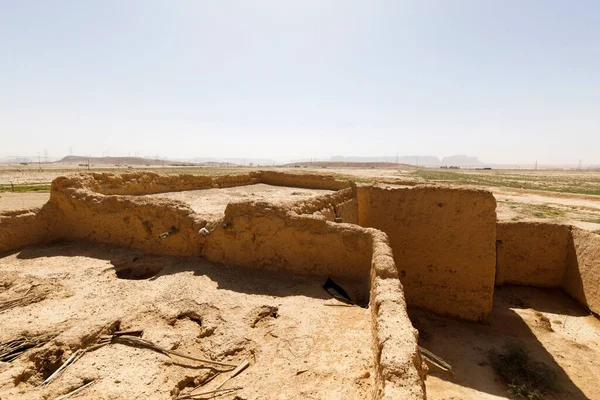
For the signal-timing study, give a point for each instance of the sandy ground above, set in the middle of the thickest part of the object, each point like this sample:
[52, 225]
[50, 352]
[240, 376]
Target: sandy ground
[16, 201]
[298, 347]
[211, 203]
[555, 329]
[582, 211]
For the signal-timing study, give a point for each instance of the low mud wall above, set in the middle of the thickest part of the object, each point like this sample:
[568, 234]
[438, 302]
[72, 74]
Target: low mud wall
[398, 362]
[140, 183]
[107, 208]
[262, 235]
[582, 276]
[24, 227]
[128, 221]
[307, 181]
[444, 244]
[531, 253]
[340, 206]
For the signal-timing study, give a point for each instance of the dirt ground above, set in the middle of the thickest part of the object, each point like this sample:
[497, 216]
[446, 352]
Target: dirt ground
[578, 210]
[17, 201]
[298, 347]
[211, 203]
[555, 330]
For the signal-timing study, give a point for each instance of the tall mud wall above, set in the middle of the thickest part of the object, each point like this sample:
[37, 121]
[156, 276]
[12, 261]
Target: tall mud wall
[444, 244]
[582, 277]
[531, 253]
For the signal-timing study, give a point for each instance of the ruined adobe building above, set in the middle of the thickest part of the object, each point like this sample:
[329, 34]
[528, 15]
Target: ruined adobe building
[429, 246]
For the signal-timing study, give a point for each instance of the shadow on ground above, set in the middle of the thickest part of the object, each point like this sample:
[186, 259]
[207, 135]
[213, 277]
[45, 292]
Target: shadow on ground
[466, 345]
[136, 265]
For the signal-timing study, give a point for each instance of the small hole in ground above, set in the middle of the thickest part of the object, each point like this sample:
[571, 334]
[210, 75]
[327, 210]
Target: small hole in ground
[135, 269]
[47, 361]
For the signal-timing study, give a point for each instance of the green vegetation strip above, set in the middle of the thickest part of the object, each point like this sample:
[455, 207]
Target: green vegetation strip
[561, 184]
[36, 187]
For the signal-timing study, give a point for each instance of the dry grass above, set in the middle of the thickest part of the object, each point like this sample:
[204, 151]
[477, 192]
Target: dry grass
[29, 298]
[526, 378]
[13, 349]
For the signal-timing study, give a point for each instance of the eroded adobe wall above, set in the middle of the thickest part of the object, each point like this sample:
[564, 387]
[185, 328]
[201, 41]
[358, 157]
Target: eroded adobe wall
[252, 234]
[24, 227]
[341, 204]
[126, 221]
[262, 235]
[399, 366]
[582, 277]
[531, 253]
[308, 181]
[444, 243]
[140, 183]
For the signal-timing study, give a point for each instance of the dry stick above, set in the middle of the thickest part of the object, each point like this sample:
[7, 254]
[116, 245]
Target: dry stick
[436, 361]
[136, 332]
[74, 357]
[340, 305]
[74, 392]
[239, 369]
[197, 395]
[185, 396]
[21, 301]
[12, 349]
[125, 339]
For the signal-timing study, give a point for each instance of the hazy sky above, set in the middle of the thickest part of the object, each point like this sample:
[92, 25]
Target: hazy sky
[507, 81]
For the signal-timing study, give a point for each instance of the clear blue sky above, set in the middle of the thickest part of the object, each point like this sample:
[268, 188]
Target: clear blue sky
[508, 81]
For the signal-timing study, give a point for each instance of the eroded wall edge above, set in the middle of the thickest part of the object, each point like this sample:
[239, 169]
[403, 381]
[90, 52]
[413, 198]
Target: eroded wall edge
[400, 374]
[582, 276]
[29, 226]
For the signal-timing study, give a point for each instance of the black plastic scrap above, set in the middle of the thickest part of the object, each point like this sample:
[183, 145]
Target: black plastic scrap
[340, 294]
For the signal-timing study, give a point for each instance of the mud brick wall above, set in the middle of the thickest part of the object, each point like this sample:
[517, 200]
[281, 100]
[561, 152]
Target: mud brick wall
[444, 244]
[582, 277]
[531, 253]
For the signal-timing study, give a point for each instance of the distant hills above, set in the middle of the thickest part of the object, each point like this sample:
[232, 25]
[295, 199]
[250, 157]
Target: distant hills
[423, 161]
[148, 161]
[118, 161]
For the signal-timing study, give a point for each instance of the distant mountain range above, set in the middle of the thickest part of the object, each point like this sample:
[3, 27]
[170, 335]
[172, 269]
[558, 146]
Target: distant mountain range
[425, 161]
[117, 161]
[462, 161]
